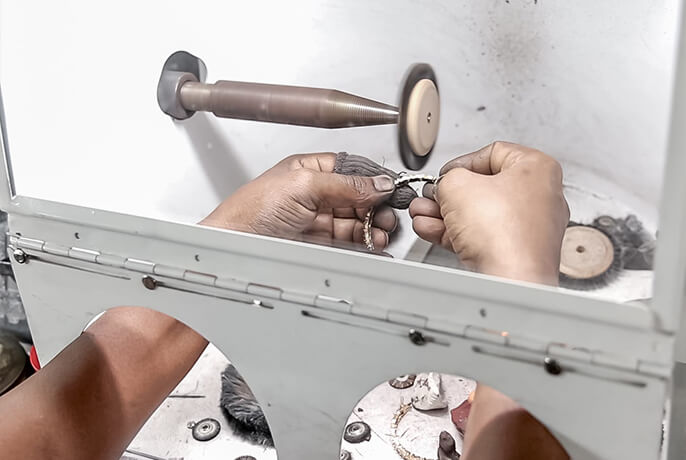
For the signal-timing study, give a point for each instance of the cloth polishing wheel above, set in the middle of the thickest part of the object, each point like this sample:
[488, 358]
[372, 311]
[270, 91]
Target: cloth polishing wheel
[357, 432]
[419, 118]
[402, 382]
[588, 257]
[206, 429]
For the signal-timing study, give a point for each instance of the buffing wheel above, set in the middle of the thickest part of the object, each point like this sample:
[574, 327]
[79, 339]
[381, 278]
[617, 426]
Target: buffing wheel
[206, 429]
[586, 253]
[357, 432]
[419, 116]
[402, 382]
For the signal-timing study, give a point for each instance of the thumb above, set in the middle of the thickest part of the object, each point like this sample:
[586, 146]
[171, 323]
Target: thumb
[450, 185]
[340, 191]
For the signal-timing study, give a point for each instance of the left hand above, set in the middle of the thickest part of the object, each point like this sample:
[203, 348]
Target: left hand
[301, 198]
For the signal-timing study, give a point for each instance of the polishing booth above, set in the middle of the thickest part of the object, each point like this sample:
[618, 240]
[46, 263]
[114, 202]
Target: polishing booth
[104, 189]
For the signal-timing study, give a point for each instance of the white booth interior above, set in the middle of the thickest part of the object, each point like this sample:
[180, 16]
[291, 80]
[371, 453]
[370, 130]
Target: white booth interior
[587, 82]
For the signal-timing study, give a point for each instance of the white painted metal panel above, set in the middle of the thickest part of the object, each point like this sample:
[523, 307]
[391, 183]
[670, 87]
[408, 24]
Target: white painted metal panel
[310, 348]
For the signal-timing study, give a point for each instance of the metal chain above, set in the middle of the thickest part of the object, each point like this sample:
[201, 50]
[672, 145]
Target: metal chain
[395, 438]
[402, 180]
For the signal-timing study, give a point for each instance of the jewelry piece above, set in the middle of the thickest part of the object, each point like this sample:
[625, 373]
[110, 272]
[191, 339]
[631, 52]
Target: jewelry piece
[402, 180]
[395, 437]
[367, 230]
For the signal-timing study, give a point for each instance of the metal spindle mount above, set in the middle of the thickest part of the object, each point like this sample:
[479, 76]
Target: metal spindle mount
[182, 91]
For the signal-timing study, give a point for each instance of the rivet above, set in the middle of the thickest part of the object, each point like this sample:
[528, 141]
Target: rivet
[149, 282]
[416, 337]
[551, 366]
[20, 256]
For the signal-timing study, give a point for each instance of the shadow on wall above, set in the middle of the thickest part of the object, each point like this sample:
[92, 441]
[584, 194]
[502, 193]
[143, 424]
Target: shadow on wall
[219, 161]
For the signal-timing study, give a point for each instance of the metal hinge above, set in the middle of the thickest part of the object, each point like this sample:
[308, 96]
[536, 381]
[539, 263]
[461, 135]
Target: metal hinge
[419, 329]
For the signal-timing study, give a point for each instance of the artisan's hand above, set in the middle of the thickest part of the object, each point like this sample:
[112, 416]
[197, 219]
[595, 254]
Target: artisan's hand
[501, 209]
[301, 197]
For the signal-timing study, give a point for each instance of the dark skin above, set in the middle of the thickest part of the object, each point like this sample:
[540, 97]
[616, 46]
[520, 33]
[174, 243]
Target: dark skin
[91, 400]
[94, 396]
[318, 204]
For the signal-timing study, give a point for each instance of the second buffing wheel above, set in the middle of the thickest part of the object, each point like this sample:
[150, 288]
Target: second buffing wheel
[420, 112]
[588, 256]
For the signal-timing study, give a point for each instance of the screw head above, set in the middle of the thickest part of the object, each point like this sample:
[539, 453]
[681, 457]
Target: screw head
[149, 282]
[416, 337]
[20, 256]
[551, 366]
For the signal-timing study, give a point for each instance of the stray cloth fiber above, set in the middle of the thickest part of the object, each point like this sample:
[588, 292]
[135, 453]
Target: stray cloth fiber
[356, 165]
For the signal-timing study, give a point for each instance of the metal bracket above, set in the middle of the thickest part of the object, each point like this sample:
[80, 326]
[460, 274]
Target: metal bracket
[179, 68]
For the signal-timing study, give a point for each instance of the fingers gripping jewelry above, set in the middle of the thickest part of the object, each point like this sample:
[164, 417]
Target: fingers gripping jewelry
[402, 180]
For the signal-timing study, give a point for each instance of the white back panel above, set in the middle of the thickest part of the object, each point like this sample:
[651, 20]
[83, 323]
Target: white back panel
[586, 81]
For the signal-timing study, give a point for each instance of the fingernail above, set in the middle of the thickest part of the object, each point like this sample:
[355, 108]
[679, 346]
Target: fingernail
[428, 190]
[383, 183]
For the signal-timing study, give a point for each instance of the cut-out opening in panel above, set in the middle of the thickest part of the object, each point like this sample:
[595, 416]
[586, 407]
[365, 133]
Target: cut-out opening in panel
[406, 416]
[424, 416]
[210, 413]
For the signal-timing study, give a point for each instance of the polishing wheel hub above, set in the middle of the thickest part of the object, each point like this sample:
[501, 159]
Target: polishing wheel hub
[586, 253]
[419, 116]
[423, 114]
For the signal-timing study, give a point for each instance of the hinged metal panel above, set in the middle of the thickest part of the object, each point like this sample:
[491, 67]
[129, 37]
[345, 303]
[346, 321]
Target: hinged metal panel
[261, 292]
[376, 312]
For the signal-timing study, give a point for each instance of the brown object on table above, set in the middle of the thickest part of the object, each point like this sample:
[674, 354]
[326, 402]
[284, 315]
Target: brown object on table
[460, 414]
[446, 447]
[586, 253]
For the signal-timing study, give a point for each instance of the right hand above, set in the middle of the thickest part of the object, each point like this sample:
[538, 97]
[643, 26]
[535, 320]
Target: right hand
[501, 209]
